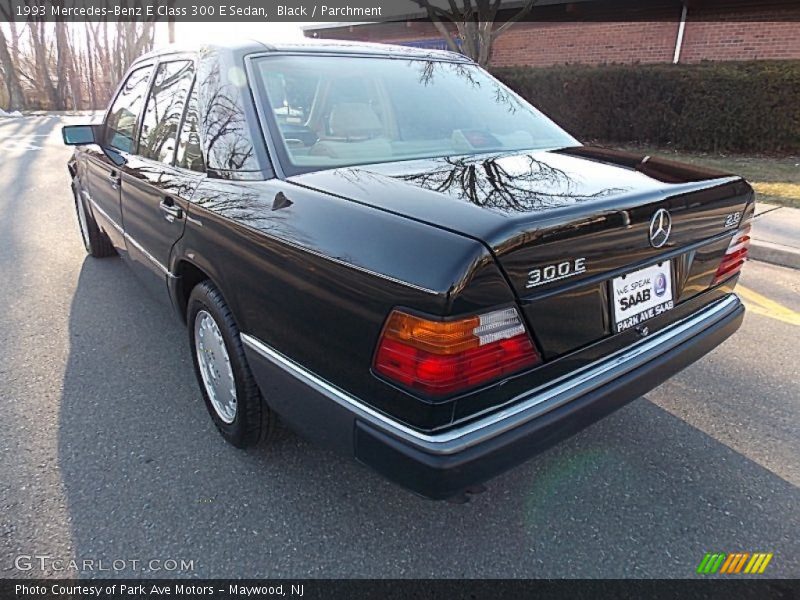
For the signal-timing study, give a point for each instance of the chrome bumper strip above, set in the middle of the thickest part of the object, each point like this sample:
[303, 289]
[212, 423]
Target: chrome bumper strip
[524, 407]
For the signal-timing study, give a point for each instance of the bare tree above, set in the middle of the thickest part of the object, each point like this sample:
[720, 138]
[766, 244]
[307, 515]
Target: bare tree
[41, 58]
[91, 80]
[56, 66]
[475, 22]
[10, 77]
[68, 85]
[9, 61]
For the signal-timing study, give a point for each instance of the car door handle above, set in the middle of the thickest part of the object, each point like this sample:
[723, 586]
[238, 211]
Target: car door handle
[170, 210]
[114, 179]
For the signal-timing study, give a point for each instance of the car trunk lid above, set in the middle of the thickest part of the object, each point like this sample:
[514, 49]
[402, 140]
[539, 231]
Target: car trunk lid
[564, 224]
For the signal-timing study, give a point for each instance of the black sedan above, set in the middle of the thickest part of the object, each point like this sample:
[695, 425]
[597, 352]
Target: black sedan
[401, 257]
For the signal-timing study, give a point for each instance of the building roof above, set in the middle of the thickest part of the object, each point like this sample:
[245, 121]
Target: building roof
[408, 10]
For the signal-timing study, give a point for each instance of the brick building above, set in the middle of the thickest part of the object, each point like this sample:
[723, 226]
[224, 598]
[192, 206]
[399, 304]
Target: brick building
[599, 32]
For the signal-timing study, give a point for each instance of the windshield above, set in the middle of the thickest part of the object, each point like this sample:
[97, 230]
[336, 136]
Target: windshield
[335, 112]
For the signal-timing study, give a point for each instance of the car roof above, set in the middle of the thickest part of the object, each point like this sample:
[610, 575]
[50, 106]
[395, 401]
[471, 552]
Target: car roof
[311, 46]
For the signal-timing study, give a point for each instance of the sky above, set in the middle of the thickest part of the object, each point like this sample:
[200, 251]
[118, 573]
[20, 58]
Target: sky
[199, 32]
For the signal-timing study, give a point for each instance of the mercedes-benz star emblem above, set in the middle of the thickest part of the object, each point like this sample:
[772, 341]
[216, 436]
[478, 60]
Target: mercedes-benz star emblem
[660, 228]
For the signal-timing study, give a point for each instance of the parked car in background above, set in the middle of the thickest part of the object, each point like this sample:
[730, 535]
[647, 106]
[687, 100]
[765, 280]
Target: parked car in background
[399, 256]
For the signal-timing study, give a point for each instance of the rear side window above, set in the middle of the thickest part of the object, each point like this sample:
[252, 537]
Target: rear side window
[121, 121]
[190, 154]
[162, 116]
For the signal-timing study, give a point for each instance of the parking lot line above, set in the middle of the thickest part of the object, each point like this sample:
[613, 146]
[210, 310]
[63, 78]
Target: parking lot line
[761, 305]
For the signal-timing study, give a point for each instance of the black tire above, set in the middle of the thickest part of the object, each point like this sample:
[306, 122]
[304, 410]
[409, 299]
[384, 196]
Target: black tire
[253, 421]
[95, 241]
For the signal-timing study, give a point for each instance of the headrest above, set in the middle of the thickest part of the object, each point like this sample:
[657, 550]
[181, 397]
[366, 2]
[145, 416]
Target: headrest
[354, 120]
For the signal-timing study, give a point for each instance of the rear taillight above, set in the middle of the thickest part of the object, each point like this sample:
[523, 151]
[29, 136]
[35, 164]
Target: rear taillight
[442, 357]
[735, 255]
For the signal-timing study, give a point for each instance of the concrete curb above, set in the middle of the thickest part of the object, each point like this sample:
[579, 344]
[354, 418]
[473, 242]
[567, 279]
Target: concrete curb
[776, 254]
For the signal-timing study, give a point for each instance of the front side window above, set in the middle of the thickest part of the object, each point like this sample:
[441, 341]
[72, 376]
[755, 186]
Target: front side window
[341, 111]
[121, 121]
[164, 110]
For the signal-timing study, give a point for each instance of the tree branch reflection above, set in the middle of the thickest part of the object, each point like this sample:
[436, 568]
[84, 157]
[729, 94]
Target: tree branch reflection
[492, 184]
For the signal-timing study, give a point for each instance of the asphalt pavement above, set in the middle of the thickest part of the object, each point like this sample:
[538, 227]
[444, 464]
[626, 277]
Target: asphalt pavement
[107, 453]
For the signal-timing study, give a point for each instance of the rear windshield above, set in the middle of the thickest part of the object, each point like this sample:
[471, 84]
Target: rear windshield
[336, 111]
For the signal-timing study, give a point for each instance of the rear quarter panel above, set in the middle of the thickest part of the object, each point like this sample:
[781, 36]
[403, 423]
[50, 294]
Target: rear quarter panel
[314, 277]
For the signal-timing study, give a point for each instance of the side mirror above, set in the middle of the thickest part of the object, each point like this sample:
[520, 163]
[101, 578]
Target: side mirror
[81, 135]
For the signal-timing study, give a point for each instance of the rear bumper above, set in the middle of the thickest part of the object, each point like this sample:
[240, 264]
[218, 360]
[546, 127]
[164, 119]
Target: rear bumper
[442, 464]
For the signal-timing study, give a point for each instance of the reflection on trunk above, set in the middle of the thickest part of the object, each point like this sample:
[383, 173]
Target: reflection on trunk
[493, 184]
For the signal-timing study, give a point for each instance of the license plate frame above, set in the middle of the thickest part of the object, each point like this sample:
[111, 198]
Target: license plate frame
[641, 295]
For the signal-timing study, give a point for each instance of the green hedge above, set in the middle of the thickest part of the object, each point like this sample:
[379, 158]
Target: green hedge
[738, 107]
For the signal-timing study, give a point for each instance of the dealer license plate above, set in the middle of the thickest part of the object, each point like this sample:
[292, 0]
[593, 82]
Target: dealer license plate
[642, 295]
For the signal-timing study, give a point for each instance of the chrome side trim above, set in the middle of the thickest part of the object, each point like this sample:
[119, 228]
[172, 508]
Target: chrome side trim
[130, 239]
[147, 255]
[327, 389]
[96, 207]
[522, 408]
